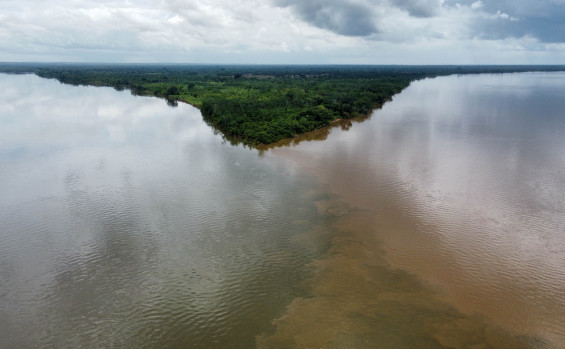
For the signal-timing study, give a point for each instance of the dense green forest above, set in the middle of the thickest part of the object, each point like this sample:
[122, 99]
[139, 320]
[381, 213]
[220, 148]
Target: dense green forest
[260, 103]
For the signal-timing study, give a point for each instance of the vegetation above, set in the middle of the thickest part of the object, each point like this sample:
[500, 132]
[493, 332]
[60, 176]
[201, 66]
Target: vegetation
[261, 104]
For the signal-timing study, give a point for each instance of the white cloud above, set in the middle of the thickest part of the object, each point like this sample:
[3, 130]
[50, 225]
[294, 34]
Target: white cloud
[503, 15]
[477, 5]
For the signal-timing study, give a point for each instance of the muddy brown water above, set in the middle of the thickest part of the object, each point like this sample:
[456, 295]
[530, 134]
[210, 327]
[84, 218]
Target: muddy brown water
[458, 187]
[437, 222]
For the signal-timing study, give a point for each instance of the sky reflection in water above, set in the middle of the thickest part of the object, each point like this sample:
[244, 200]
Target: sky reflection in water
[126, 222]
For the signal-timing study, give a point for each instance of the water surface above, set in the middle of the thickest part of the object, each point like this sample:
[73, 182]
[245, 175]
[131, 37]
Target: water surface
[438, 222]
[128, 223]
[461, 183]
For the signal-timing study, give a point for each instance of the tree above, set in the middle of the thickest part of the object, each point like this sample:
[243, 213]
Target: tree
[172, 90]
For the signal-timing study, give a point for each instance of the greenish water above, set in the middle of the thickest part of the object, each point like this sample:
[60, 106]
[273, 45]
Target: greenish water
[438, 222]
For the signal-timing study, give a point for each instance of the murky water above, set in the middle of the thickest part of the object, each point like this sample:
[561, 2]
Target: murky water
[438, 222]
[460, 183]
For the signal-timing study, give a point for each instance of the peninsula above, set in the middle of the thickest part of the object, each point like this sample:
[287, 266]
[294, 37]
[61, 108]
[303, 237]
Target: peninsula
[260, 104]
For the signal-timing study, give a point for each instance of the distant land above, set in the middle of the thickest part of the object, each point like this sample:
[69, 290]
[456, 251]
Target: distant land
[262, 104]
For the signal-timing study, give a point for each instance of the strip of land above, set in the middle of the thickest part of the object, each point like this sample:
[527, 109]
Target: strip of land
[260, 104]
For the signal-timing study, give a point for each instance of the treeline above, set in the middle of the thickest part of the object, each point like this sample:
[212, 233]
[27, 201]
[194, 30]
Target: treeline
[256, 103]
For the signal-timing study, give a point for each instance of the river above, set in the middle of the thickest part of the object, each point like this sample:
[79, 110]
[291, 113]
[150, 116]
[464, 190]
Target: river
[438, 221]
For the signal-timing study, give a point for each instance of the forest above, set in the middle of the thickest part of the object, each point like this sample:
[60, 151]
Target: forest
[260, 104]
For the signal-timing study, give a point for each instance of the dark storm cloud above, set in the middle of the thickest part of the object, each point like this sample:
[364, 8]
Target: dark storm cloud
[541, 19]
[341, 17]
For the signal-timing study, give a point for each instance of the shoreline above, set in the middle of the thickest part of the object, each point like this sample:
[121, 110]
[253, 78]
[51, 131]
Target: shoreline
[255, 111]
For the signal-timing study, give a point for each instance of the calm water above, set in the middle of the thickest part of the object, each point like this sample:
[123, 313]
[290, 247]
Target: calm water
[438, 222]
[127, 223]
[462, 183]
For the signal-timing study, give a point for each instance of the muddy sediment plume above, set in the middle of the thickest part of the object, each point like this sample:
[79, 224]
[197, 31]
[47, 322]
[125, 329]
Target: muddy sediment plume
[359, 301]
[460, 181]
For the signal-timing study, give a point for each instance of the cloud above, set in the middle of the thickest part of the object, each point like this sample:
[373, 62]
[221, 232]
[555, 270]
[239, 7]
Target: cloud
[543, 20]
[477, 4]
[357, 17]
[282, 31]
[419, 8]
[53, 25]
[351, 18]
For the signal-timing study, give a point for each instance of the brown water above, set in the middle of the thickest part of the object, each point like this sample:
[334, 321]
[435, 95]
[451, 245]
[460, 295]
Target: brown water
[438, 222]
[458, 238]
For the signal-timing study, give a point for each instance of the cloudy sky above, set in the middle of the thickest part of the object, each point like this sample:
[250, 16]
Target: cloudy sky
[285, 31]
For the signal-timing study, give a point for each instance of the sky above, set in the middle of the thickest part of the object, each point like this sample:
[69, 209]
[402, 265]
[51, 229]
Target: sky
[284, 31]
